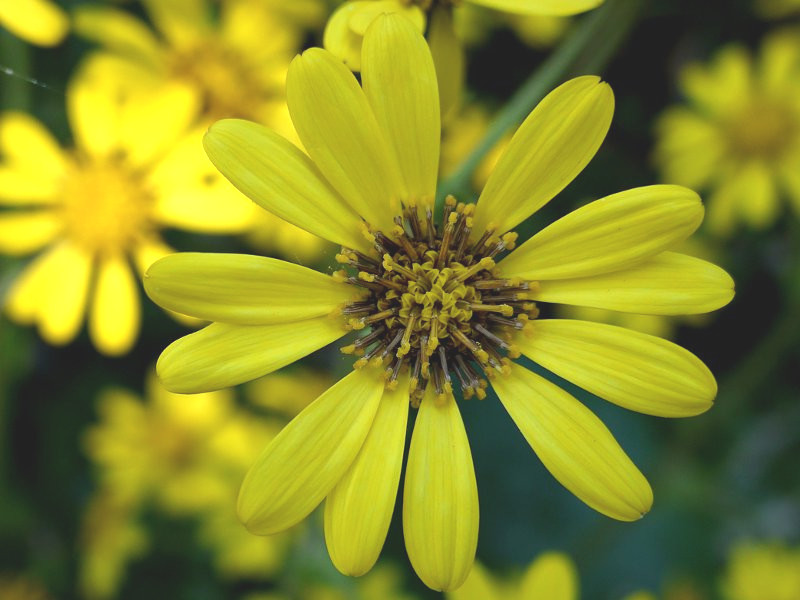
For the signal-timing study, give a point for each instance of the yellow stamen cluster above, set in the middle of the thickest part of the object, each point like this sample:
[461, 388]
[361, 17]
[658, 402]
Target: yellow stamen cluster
[433, 304]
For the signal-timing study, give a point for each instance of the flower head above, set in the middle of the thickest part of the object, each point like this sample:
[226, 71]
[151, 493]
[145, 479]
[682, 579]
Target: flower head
[439, 306]
[739, 136]
[98, 209]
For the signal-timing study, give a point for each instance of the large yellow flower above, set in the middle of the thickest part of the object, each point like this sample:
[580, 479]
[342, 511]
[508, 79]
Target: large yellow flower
[136, 167]
[344, 32]
[740, 135]
[39, 22]
[438, 308]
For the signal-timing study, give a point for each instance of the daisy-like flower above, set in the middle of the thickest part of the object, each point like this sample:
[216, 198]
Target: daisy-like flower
[344, 32]
[39, 22]
[95, 209]
[437, 305]
[235, 64]
[739, 136]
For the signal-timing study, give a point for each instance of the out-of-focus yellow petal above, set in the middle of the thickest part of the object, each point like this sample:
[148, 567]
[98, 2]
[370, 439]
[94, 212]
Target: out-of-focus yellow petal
[340, 39]
[62, 299]
[39, 22]
[115, 313]
[222, 355]
[244, 289]
[690, 147]
[747, 194]
[610, 234]
[338, 129]
[553, 576]
[399, 81]
[119, 31]
[25, 232]
[19, 187]
[574, 445]
[31, 289]
[668, 284]
[540, 7]
[632, 369]
[478, 586]
[554, 143]
[182, 22]
[25, 143]
[724, 85]
[448, 56]
[148, 252]
[279, 177]
[309, 457]
[359, 509]
[440, 498]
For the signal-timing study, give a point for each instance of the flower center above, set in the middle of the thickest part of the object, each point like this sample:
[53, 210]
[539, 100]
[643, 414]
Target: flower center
[433, 304]
[763, 130]
[229, 84]
[106, 208]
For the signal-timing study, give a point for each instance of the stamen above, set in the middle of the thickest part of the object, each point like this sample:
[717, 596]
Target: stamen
[503, 309]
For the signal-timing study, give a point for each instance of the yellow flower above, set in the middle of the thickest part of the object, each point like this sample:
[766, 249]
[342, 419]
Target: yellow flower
[436, 305]
[740, 135]
[344, 32]
[775, 9]
[39, 22]
[135, 168]
[552, 576]
[762, 571]
[234, 64]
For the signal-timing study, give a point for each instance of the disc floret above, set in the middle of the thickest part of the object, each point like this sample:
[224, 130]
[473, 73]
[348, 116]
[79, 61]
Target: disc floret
[434, 305]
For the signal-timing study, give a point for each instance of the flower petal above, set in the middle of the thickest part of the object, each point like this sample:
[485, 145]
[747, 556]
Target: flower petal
[275, 174]
[447, 51]
[574, 445]
[479, 585]
[25, 142]
[610, 234]
[312, 453]
[359, 509]
[243, 289]
[117, 31]
[20, 187]
[23, 232]
[338, 129]
[62, 297]
[38, 21]
[440, 499]
[540, 7]
[222, 355]
[668, 284]
[399, 81]
[554, 143]
[632, 369]
[340, 39]
[553, 576]
[115, 314]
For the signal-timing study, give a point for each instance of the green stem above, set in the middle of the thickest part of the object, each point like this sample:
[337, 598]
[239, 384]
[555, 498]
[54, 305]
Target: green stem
[601, 32]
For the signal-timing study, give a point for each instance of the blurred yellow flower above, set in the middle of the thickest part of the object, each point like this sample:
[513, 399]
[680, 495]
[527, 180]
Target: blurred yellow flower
[775, 9]
[436, 310]
[19, 587]
[762, 571]
[136, 168]
[552, 576]
[739, 136]
[288, 392]
[460, 135]
[39, 22]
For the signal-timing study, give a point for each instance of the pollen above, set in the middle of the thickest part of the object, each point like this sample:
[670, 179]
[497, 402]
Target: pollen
[434, 307]
[107, 208]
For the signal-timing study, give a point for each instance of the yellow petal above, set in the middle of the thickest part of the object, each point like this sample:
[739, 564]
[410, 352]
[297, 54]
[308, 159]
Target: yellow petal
[550, 148]
[668, 284]
[115, 314]
[553, 576]
[574, 445]
[24, 142]
[275, 174]
[25, 232]
[222, 355]
[30, 289]
[62, 299]
[182, 22]
[723, 86]
[634, 370]
[478, 586]
[440, 498]
[118, 31]
[690, 147]
[244, 289]
[309, 457]
[758, 196]
[39, 22]
[359, 509]
[338, 129]
[340, 39]
[610, 234]
[21, 186]
[400, 84]
[447, 51]
[148, 252]
[540, 7]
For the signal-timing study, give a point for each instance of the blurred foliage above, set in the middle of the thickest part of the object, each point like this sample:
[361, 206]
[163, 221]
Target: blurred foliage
[725, 477]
